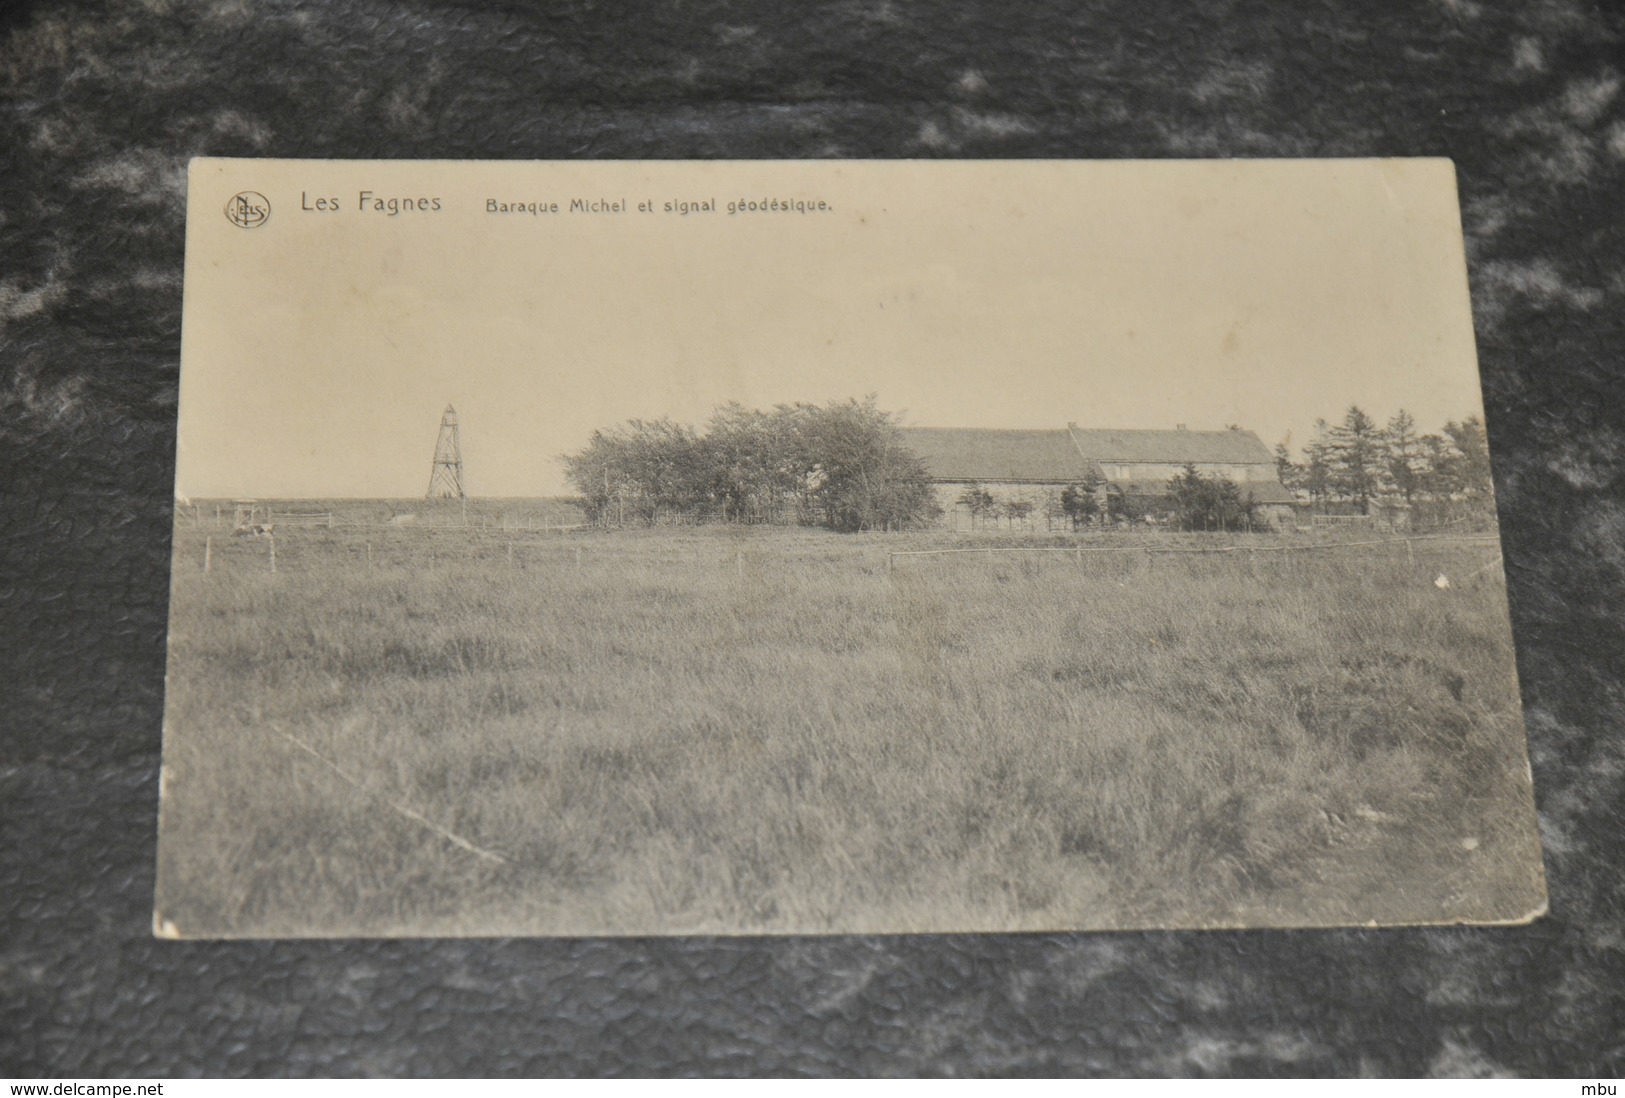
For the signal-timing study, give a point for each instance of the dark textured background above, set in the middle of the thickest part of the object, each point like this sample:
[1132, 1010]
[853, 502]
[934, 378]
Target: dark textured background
[102, 104]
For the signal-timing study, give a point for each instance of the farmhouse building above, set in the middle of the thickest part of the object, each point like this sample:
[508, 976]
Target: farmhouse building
[1036, 466]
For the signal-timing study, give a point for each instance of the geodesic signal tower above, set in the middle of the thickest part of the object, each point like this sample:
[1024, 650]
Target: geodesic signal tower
[446, 478]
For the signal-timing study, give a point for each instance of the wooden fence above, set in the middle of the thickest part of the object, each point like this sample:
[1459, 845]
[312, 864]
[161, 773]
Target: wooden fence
[1155, 550]
[300, 518]
[417, 547]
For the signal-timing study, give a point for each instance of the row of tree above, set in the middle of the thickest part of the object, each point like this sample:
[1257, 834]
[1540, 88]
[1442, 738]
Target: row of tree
[842, 465]
[845, 465]
[1359, 462]
[1194, 501]
[1090, 501]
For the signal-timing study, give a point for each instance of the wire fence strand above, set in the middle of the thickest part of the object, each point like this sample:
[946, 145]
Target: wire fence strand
[893, 556]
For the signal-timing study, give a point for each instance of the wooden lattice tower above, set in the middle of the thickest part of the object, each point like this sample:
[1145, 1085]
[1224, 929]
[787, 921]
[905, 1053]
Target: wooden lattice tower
[446, 478]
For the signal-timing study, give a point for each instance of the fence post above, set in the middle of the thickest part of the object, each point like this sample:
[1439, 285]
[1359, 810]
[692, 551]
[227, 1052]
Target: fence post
[510, 552]
[739, 563]
[272, 539]
[578, 556]
[208, 551]
[369, 555]
[891, 562]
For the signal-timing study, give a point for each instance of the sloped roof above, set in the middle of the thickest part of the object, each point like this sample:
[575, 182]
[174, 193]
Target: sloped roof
[979, 453]
[1065, 456]
[1175, 447]
[1262, 491]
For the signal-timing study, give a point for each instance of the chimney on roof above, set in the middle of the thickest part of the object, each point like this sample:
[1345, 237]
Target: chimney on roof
[1179, 426]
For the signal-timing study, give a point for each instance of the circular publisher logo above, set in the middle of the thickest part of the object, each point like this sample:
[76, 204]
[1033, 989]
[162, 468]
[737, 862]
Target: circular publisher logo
[248, 209]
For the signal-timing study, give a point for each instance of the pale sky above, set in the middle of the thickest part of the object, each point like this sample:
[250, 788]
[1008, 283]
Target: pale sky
[320, 347]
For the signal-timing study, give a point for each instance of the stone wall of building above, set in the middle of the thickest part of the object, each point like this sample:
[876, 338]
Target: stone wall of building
[1044, 516]
[1141, 472]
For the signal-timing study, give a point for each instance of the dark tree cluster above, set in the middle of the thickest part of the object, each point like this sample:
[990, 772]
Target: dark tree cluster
[1358, 463]
[979, 502]
[1093, 501]
[1080, 502]
[842, 465]
[1209, 502]
[1015, 509]
[1088, 502]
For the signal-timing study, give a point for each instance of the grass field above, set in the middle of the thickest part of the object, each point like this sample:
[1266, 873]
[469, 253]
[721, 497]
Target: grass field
[466, 731]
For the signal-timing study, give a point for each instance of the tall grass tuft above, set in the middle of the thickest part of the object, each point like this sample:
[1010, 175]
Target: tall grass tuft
[770, 731]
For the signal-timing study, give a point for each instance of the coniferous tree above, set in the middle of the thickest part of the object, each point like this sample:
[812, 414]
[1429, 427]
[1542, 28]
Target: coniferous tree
[1473, 447]
[1203, 502]
[1081, 502]
[1122, 507]
[1317, 467]
[1440, 467]
[1357, 458]
[1289, 472]
[1403, 462]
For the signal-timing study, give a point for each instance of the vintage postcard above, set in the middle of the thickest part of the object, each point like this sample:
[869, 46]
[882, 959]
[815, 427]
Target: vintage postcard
[834, 547]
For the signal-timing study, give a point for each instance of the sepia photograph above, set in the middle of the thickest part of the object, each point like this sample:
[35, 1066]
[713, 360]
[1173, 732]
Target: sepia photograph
[834, 547]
